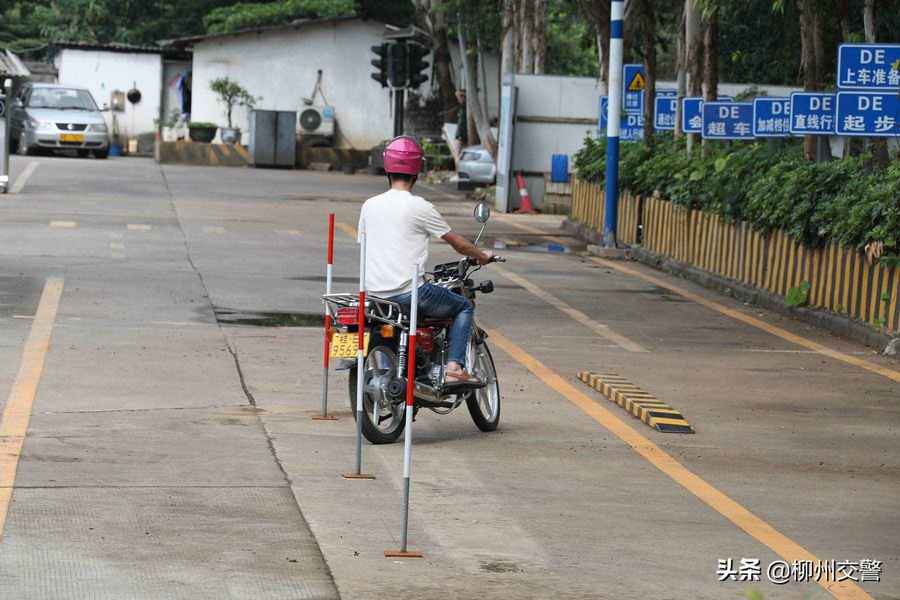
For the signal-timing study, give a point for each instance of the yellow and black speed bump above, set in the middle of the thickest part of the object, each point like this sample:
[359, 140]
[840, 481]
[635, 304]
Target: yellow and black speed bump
[646, 407]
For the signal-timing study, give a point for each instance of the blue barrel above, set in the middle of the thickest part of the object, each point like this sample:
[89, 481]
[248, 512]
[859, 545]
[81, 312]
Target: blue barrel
[559, 168]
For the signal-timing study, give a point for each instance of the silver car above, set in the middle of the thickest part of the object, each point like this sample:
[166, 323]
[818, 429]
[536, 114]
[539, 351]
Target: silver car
[476, 167]
[48, 116]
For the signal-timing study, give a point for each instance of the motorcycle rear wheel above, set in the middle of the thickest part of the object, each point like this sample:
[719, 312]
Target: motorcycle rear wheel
[484, 403]
[383, 421]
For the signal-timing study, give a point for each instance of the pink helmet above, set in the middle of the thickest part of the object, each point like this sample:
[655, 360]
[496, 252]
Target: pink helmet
[403, 155]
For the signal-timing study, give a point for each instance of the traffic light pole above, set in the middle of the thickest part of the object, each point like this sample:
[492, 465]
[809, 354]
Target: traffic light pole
[399, 103]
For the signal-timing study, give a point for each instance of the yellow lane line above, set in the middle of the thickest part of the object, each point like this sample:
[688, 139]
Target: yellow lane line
[753, 321]
[64, 224]
[349, 230]
[761, 531]
[17, 412]
[22, 179]
[891, 374]
[599, 328]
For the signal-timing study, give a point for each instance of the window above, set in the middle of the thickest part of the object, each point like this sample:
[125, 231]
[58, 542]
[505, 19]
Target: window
[61, 98]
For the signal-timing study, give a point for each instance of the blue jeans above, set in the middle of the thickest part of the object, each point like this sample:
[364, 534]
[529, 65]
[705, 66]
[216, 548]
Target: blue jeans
[440, 303]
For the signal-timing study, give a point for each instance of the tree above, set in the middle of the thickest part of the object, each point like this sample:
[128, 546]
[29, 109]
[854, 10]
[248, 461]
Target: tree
[526, 34]
[540, 36]
[232, 94]
[879, 145]
[432, 17]
[694, 49]
[596, 12]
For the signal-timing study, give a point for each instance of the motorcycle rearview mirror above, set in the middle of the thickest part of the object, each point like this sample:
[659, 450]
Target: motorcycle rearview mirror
[482, 212]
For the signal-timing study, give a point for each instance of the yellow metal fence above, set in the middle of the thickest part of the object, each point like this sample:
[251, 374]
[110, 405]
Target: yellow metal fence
[841, 279]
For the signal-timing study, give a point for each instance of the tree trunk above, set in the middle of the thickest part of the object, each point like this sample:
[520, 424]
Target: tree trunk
[680, 69]
[442, 66]
[508, 48]
[540, 36]
[711, 64]
[843, 8]
[808, 65]
[694, 50]
[527, 33]
[596, 12]
[473, 102]
[648, 47]
[878, 144]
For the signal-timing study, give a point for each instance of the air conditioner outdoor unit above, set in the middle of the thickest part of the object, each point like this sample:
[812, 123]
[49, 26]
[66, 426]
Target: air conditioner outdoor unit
[316, 120]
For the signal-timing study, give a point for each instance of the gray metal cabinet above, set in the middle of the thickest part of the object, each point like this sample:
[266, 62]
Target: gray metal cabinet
[273, 138]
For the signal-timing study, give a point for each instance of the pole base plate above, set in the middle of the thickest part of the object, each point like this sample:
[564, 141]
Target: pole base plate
[324, 418]
[400, 554]
[357, 476]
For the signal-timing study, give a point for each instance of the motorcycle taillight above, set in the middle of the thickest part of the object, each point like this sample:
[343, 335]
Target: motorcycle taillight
[347, 315]
[425, 338]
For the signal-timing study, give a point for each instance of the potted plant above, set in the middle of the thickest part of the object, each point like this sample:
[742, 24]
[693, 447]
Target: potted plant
[201, 131]
[232, 94]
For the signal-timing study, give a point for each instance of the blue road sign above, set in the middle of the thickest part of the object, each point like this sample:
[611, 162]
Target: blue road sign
[727, 121]
[631, 128]
[869, 67]
[868, 114]
[633, 81]
[771, 117]
[664, 113]
[692, 113]
[666, 93]
[812, 113]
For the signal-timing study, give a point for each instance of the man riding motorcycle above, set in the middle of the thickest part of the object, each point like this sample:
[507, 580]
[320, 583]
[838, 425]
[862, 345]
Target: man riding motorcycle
[397, 226]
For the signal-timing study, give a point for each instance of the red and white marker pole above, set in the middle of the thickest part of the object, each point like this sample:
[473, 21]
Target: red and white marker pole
[360, 361]
[329, 264]
[404, 551]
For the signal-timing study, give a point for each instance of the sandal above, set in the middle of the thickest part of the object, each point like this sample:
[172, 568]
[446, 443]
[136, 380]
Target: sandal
[462, 378]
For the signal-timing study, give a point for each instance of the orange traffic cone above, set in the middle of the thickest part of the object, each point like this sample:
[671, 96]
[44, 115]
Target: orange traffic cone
[525, 205]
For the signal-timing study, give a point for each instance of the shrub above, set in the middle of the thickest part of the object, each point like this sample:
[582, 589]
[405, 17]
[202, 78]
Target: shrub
[770, 186]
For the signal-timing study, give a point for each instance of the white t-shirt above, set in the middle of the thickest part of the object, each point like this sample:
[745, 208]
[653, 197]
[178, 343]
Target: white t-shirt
[397, 226]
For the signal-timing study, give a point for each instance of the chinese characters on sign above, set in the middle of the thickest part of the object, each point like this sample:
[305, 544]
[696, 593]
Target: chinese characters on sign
[633, 81]
[869, 67]
[812, 113]
[631, 128]
[664, 113]
[868, 114]
[727, 121]
[780, 572]
[772, 117]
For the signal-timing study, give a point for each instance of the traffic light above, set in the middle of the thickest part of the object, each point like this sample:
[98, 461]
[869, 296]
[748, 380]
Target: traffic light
[415, 55]
[380, 63]
[396, 59]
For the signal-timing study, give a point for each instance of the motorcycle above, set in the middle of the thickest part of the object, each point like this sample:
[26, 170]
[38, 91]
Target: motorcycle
[386, 343]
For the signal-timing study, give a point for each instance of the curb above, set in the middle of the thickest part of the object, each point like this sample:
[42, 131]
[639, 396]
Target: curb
[835, 324]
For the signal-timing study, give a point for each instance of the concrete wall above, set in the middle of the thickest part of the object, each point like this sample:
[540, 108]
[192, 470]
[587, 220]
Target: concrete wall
[281, 67]
[102, 71]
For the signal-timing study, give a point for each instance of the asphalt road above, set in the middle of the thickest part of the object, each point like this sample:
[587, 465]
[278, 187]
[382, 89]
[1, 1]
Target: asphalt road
[170, 451]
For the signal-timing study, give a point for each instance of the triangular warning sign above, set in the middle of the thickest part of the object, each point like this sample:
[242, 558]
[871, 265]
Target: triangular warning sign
[637, 84]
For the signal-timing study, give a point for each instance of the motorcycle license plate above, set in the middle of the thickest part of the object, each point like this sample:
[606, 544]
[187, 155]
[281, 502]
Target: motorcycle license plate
[343, 345]
[71, 137]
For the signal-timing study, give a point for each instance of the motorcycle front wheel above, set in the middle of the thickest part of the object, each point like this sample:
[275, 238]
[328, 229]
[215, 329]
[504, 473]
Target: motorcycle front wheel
[484, 403]
[383, 420]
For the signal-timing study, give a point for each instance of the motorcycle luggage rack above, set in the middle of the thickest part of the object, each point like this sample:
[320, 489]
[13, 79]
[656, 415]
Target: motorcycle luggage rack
[378, 309]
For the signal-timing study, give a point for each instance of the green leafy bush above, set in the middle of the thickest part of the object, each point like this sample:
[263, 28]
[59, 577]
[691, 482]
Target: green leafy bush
[770, 186]
[227, 19]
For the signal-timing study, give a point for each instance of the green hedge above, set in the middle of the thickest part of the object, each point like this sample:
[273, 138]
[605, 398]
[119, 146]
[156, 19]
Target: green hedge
[771, 187]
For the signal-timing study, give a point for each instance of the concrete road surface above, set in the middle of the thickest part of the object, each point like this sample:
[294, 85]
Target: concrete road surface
[160, 362]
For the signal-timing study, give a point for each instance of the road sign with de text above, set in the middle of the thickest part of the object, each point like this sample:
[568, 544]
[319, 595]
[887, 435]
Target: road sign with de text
[868, 114]
[631, 127]
[692, 113]
[664, 109]
[727, 121]
[871, 67]
[812, 113]
[771, 117]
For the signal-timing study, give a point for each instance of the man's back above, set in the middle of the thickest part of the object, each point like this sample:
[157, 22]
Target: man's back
[397, 226]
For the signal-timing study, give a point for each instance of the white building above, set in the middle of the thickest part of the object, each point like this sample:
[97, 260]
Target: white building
[110, 71]
[280, 65]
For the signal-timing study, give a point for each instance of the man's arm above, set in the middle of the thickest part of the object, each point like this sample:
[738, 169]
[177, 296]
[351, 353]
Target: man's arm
[466, 248]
